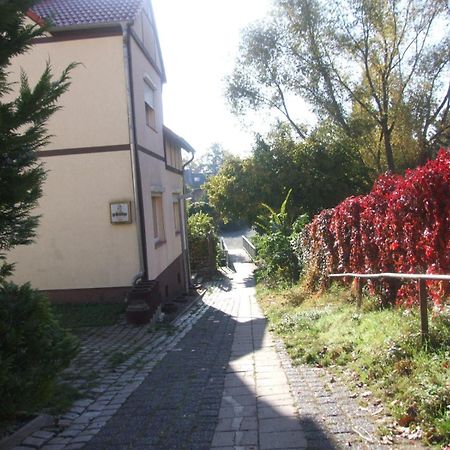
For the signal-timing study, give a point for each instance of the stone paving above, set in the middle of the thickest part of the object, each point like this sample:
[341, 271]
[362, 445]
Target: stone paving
[215, 379]
[105, 381]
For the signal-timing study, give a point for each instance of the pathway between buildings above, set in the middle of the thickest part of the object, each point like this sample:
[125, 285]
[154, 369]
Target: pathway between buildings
[218, 380]
[222, 386]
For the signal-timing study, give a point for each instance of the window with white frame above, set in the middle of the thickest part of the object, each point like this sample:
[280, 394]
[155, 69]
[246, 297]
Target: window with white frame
[176, 214]
[158, 218]
[149, 100]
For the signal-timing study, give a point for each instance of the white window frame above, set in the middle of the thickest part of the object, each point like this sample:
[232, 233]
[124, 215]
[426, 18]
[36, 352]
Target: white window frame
[176, 206]
[159, 232]
[149, 102]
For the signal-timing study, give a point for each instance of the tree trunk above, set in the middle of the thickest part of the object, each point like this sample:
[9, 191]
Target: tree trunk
[424, 152]
[388, 147]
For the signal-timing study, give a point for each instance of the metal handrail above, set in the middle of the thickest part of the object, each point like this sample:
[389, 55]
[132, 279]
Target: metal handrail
[421, 288]
[249, 247]
[224, 247]
[409, 276]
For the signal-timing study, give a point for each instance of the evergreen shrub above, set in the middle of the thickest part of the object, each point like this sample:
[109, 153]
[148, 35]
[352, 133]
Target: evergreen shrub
[33, 349]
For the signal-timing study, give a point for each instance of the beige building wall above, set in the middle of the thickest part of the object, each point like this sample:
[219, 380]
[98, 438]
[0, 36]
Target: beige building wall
[154, 176]
[151, 138]
[77, 247]
[168, 185]
[94, 110]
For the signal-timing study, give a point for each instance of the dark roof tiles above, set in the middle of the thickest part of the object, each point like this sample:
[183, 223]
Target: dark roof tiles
[64, 13]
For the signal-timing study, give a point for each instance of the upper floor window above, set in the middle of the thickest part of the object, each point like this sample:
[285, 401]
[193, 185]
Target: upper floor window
[173, 155]
[149, 99]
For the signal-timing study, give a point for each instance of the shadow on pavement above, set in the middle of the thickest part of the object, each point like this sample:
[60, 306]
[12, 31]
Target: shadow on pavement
[237, 256]
[225, 284]
[202, 394]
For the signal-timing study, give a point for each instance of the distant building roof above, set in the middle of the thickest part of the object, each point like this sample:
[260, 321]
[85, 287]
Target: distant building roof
[66, 13]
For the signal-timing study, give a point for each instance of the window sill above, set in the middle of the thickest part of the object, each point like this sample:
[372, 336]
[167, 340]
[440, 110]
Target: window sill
[151, 127]
[159, 244]
[174, 169]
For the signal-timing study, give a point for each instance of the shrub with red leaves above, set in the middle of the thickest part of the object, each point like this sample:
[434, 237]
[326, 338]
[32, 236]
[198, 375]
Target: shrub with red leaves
[402, 225]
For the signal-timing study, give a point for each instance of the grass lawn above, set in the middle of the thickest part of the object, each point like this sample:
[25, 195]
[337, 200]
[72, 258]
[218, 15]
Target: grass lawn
[381, 348]
[88, 315]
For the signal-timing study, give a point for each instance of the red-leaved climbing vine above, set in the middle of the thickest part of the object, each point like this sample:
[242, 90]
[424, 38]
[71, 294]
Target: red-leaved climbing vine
[402, 225]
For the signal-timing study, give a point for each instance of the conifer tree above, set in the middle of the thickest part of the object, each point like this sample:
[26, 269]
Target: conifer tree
[24, 111]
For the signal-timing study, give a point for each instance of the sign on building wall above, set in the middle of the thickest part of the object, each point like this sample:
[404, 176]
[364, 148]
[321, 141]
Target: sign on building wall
[120, 212]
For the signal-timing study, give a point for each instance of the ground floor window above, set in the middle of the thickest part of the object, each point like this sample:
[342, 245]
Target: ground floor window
[158, 218]
[176, 214]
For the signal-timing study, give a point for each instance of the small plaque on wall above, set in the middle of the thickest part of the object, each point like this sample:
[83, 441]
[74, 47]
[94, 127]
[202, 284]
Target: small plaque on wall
[120, 212]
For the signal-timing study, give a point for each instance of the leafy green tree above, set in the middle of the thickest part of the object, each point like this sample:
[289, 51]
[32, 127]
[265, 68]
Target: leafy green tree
[211, 161]
[229, 191]
[320, 171]
[22, 130]
[376, 56]
[261, 74]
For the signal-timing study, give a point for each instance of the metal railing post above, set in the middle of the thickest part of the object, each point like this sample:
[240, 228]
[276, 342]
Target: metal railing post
[423, 310]
[421, 288]
[358, 287]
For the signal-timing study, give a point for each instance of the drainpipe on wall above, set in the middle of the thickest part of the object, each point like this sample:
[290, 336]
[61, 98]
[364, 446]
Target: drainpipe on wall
[186, 262]
[135, 167]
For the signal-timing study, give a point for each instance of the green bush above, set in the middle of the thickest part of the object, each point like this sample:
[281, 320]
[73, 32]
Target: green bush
[277, 264]
[276, 261]
[33, 349]
[200, 225]
[203, 242]
[199, 207]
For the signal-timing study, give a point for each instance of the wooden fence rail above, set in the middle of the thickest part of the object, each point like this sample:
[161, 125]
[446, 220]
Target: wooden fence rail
[421, 289]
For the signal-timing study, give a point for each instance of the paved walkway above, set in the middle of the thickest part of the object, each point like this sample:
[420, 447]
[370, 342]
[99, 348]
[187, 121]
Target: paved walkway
[215, 379]
[222, 387]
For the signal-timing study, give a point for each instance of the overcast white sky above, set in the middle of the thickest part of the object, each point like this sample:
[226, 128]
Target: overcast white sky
[199, 41]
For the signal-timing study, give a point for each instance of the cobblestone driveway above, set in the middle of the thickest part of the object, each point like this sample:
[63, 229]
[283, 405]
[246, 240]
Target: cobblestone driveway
[216, 379]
